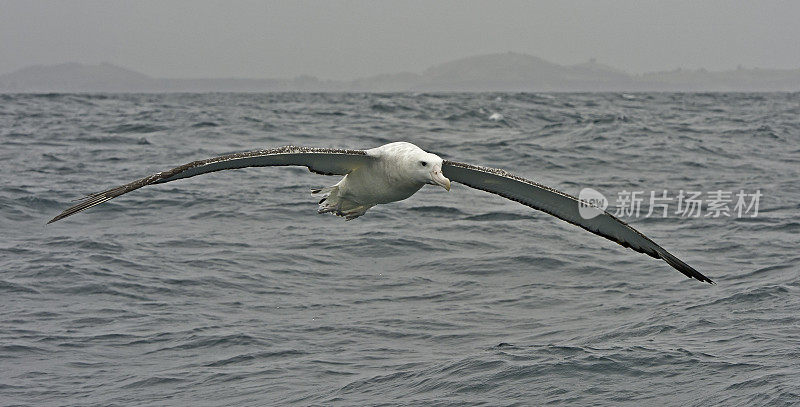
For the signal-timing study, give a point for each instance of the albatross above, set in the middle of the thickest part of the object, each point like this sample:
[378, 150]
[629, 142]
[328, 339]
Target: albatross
[394, 172]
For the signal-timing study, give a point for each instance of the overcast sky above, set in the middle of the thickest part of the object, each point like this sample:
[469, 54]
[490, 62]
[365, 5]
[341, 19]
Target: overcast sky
[349, 39]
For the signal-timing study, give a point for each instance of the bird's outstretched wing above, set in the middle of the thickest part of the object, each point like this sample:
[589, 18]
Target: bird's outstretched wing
[562, 206]
[326, 161]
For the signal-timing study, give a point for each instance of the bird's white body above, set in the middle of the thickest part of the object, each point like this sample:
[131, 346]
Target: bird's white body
[399, 170]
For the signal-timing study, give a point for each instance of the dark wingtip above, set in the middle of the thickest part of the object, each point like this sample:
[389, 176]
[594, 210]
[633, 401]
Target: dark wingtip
[692, 273]
[708, 280]
[57, 218]
[60, 216]
[700, 277]
[679, 265]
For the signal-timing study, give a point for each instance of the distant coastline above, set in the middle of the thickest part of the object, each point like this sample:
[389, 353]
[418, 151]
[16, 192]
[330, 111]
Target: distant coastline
[503, 72]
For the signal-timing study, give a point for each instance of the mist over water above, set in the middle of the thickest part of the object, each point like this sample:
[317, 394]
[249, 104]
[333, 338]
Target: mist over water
[229, 289]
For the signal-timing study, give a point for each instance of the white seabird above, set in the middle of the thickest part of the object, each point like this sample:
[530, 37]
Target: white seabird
[394, 172]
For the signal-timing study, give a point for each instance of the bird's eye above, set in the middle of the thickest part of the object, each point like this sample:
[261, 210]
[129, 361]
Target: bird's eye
[424, 164]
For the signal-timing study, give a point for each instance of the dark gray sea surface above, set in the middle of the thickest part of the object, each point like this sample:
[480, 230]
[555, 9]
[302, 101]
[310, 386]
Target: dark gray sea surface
[229, 288]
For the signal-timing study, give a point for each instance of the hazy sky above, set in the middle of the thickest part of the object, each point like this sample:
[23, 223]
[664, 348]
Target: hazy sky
[348, 39]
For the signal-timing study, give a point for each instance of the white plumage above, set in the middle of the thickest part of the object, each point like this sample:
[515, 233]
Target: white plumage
[398, 171]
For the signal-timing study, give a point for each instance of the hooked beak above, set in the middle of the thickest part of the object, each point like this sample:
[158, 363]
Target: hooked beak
[437, 178]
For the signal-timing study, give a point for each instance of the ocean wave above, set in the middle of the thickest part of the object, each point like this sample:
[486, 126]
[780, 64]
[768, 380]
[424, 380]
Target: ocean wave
[135, 128]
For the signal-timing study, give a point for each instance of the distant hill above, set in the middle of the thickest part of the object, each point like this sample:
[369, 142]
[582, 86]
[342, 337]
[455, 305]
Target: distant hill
[509, 72]
[745, 80]
[105, 77]
[520, 72]
[495, 71]
[73, 77]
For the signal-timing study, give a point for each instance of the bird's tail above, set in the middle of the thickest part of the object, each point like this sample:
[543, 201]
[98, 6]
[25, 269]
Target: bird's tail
[332, 202]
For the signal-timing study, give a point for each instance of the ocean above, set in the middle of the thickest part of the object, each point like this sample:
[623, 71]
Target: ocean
[229, 288]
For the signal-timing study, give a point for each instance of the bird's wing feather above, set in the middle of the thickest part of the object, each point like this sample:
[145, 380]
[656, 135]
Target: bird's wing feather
[326, 161]
[562, 206]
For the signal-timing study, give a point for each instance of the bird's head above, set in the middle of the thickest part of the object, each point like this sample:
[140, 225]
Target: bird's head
[427, 168]
[412, 163]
